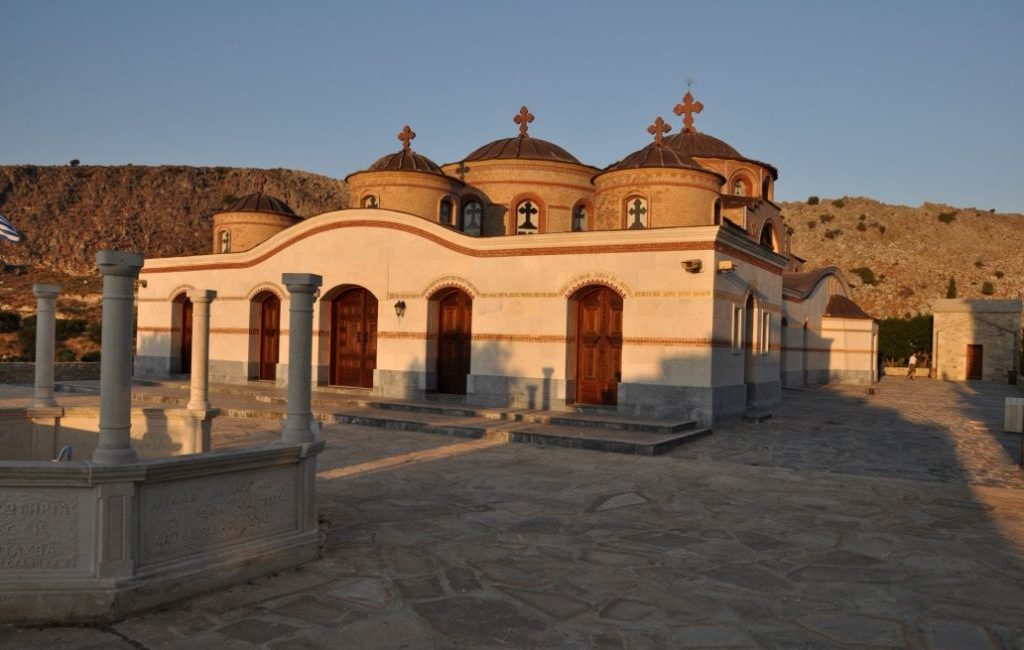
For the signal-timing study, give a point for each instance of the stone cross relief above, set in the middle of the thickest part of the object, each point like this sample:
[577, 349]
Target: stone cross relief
[527, 210]
[637, 212]
[658, 130]
[406, 136]
[523, 119]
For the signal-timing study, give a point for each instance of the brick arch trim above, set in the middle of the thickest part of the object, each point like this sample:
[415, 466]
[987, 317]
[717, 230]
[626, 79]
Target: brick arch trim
[450, 282]
[613, 282]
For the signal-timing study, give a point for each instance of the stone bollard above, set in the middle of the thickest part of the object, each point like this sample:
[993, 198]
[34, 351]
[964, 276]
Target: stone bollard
[299, 425]
[119, 271]
[46, 328]
[1013, 415]
[199, 393]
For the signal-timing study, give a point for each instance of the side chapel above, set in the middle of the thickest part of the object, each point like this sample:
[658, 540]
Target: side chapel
[662, 284]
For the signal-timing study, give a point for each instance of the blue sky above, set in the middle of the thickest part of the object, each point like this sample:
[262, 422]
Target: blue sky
[902, 101]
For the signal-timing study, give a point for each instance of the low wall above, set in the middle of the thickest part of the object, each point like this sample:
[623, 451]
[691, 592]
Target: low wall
[88, 543]
[24, 372]
[40, 433]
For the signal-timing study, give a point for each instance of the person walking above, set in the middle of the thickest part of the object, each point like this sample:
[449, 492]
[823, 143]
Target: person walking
[912, 366]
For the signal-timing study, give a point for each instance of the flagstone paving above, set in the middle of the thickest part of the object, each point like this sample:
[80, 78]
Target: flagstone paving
[848, 520]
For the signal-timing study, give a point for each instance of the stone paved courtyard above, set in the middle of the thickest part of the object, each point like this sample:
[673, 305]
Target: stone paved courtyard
[848, 520]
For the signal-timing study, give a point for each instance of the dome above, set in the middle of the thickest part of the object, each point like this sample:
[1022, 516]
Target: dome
[405, 160]
[658, 155]
[260, 202]
[524, 148]
[701, 145]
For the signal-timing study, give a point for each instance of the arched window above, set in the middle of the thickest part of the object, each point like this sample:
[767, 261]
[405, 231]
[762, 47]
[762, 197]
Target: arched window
[225, 241]
[472, 217]
[579, 217]
[370, 201]
[446, 211]
[718, 212]
[739, 187]
[766, 186]
[768, 239]
[636, 215]
[527, 218]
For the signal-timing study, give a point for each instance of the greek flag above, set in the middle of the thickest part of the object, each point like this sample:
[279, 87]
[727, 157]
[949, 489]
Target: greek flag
[8, 231]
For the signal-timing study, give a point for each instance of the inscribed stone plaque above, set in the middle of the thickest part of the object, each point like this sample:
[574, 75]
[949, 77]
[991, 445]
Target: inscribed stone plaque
[180, 518]
[38, 529]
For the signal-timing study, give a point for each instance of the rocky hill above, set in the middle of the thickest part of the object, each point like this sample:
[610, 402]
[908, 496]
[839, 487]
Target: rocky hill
[896, 258]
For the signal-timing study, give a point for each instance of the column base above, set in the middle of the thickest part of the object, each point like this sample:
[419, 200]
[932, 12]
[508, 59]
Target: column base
[125, 456]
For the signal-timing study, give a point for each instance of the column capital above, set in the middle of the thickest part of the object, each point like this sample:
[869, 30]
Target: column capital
[119, 263]
[302, 282]
[46, 290]
[201, 295]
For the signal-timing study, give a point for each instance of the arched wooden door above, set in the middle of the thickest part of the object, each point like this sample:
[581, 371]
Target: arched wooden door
[455, 333]
[598, 346]
[354, 338]
[185, 326]
[270, 335]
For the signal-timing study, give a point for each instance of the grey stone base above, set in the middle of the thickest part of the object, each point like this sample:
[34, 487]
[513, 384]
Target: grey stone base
[817, 377]
[153, 367]
[793, 379]
[729, 402]
[400, 384]
[524, 392]
[855, 376]
[667, 402]
[764, 394]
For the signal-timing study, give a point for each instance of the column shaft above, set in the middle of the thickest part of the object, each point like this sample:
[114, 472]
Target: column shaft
[299, 425]
[119, 271]
[46, 328]
[199, 395]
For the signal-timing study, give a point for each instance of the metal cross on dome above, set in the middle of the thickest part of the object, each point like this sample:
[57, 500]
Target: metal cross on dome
[658, 130]
[689, 107]
[406, 136]
[523, 119]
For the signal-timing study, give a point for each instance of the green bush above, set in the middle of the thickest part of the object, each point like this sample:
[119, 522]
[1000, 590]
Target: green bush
[899, 337]
[947, 217]
[999, 275]
[10, 321]
[832, 234]
[64, 355]
[951, 288]
[27, 337]
[987, 288]
[826, 217]
[866, 275]
[861, 226]
[862, 217]
[91, 356]
[978, 264]
[95, 332]
[70, 327]
[812, 224]
[813, 200]
[838, 203]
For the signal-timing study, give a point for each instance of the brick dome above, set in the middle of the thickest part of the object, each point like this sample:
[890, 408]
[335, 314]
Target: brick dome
[701, 145]
[260, 202]
[655, 155]
[522, 147]
[405, 160]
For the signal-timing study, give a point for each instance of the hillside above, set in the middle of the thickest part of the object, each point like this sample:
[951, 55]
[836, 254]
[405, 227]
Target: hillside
[68, 213]
[911, 252]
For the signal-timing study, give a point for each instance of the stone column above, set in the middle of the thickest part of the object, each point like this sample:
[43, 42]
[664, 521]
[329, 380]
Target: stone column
[119, 271]
[46, 327]
[199, 396]
[299, 426]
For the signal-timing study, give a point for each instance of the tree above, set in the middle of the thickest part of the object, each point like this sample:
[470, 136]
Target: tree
[74, 162]
[951, 288]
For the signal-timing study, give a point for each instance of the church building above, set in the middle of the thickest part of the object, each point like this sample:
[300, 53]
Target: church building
[661, 285]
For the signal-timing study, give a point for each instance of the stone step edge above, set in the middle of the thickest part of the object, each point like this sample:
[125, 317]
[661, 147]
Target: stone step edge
[653, 448]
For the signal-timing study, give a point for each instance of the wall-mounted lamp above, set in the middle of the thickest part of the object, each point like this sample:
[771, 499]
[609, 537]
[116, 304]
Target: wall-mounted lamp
[726, 266]
[692, 266]
[400, 308]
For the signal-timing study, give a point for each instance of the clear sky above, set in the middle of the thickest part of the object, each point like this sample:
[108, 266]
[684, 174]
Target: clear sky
[902, 101]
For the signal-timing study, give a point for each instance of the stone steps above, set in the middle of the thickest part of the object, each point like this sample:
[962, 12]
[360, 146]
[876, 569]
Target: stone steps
[534, 429]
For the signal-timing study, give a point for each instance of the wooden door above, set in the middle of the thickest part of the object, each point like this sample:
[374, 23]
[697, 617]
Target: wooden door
[354, 338]
[270, 333]
[186, 337]
[455, 328]
[598, 347]
[974, 353]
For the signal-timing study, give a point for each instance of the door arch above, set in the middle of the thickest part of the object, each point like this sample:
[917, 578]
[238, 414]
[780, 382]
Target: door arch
[454, 340]
[353, 338]
[598, 336]
[268, 334]
[182, 315]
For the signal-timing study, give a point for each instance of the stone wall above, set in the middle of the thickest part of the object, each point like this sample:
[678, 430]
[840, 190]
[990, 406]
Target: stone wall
[994, 325]
[25, 372]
